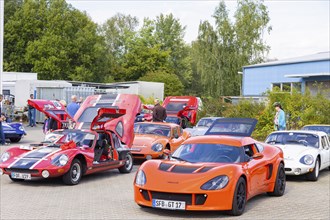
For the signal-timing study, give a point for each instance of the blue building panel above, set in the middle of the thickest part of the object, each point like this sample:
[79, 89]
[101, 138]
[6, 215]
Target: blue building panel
[257, 79]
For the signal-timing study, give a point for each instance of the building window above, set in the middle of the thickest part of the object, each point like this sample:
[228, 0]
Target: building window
[296, 86]
[287, 87]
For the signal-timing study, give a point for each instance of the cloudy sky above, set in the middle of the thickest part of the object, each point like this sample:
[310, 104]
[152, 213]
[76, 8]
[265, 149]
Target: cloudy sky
[299, 27]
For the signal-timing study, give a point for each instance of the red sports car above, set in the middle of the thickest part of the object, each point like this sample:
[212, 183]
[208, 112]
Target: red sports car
[181, 109]
[218, 171]
[72, 152]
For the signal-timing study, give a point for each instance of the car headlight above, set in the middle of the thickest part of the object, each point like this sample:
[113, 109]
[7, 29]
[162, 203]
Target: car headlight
[157, 147]
[140, 178]
[21, 128]
[218, 182]
[60, 160]
[4, 157]
[307, 159]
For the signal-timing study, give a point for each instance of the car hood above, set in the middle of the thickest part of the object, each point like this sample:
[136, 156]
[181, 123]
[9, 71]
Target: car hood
[32, 157]
[147, 139]
[174, 175]
[292, 151]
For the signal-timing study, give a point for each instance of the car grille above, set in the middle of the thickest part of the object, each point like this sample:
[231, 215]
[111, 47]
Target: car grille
[287, 169]
[17, 170]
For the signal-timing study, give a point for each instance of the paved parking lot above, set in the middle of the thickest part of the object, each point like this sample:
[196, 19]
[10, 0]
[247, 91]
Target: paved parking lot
[109, 195]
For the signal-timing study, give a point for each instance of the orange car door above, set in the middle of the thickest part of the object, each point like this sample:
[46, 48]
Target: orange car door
[256, 170]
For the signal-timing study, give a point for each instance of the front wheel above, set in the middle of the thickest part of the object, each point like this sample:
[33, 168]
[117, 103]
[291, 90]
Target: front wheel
[280, 182]
[313, 176]
[15, 140]
[128, 166]
[73, 176]
[239, 200]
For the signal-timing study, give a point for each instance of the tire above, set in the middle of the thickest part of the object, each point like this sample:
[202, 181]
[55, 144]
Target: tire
[15, 140]
[15, 180]
[128, 166]
[280, 182]
[239, 199]
[73, 176]
[313, 176]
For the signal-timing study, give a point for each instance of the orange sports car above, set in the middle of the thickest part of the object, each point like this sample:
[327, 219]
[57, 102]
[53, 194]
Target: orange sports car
[218, 171]
[152, 138]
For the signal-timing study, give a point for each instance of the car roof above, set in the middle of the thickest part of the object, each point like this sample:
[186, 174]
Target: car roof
[221, 139]
[318, 125]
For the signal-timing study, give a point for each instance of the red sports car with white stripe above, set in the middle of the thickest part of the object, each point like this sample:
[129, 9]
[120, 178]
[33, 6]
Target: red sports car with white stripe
[104, 145]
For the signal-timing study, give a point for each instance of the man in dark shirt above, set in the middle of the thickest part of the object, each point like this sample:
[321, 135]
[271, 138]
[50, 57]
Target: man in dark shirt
[159, 112]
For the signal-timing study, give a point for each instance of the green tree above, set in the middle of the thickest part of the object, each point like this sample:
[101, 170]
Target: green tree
[169, 33]
[172, 84]
[228, 46]
[117, 31]
[55, 40]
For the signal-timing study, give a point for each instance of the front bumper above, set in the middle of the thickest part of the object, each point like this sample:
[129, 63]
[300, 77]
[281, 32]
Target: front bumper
[207, 200]
[296, 168]
[53, 172]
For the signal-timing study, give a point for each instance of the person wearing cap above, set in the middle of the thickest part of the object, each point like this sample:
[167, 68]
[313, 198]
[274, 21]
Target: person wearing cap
[279, 119]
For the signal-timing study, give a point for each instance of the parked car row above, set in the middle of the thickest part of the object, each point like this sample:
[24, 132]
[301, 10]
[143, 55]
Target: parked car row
[213, 166]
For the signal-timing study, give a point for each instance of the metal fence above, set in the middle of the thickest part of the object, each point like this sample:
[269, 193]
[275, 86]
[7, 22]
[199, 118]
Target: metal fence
[61, 93]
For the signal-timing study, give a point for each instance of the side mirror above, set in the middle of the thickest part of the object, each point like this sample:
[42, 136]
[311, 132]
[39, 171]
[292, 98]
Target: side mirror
[257, 156]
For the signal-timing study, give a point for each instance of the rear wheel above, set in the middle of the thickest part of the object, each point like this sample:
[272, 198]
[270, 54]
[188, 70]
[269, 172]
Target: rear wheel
[128, 166]
[280, 182]
[313, 176]
[239, 200]
[15, 139]
[73, 176]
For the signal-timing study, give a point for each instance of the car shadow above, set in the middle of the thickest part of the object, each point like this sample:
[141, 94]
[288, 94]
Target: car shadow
[57, 182]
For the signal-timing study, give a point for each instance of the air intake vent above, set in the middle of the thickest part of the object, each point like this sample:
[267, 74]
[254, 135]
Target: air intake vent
[164, 166]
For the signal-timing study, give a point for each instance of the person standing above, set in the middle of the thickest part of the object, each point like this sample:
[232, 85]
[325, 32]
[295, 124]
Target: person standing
[279, 119]
[73, 107]
[159, 112]
[2, 119]
[45, 127]
[31, 114]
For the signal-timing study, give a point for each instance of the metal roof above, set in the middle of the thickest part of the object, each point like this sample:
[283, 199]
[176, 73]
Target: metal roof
[303, 59]
[306, 75]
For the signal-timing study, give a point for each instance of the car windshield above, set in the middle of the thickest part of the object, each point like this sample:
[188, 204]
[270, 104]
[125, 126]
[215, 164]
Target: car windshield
[175, 106]
[174, 120]
[81, 138]
[89, 113]
[146, 128]
[292, 138]
[204, 122]
[216, 153]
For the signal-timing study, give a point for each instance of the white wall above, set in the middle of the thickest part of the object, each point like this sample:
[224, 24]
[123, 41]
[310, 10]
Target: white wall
[145, 89]
[24, 88]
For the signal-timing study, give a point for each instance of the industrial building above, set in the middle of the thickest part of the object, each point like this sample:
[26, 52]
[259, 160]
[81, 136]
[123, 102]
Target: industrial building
[306, 72]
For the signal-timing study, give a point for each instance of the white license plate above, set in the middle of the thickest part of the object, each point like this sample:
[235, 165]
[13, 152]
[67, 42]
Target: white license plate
[168, 204]
[24, 176]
